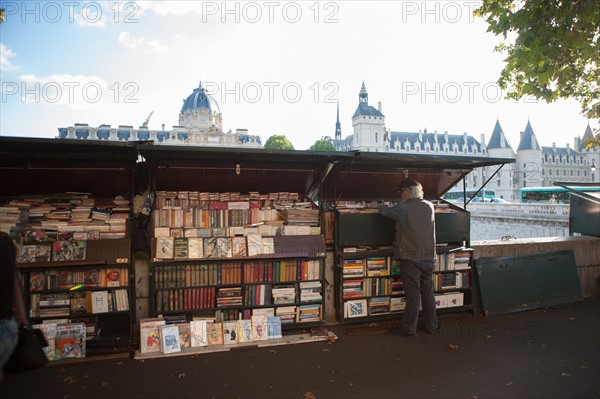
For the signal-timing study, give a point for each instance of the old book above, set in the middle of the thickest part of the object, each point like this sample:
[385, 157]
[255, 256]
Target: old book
[113, 277]
[180, 248]
[169, 338]
[259, 328]
[254, 244]
[150, 335]
[198, 333]
[224, 247]
[164, 248]
[37, 281]
[185, 335]
[274, 327]
[214, 332]
[97, 301]
[210, 248]
[195, 247]
[238, 247]
[230, 332]
[244, 330]
[78, 303]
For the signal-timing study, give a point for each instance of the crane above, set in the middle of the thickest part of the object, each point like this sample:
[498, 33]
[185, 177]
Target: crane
[145, 124]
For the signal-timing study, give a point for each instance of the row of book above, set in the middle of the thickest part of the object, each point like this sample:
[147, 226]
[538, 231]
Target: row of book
[156, 336]
[444, 281]
[78, 303]
[67, 212]
[70, 278]
[374, 286]
[460, 260]
[370, 267]
[185, 299]
[58, 251]
[193, 275]
[185, 198]
[388, 304]
[65, 341]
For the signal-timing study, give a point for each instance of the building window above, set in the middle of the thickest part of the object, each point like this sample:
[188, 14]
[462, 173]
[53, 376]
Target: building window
[550, 172]
[376, 137]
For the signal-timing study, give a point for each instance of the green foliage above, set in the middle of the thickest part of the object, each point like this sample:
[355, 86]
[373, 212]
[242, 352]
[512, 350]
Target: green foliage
[1, 15]
[278, 142]
[322, 145]
[552, 49]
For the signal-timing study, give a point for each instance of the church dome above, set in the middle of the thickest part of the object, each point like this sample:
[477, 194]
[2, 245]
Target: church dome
[199, 99]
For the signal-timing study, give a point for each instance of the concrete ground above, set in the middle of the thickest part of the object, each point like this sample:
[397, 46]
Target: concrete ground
[550, 353]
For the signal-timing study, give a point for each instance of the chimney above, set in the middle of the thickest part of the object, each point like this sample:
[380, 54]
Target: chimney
[567, 146]
[379, 107]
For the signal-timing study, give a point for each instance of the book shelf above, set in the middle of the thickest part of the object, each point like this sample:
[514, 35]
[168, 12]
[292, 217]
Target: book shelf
[75, 266]
[230, 256]
[368, 281]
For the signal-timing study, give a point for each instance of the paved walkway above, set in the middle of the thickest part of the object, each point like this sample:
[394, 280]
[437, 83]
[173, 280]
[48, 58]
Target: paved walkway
[553, 353]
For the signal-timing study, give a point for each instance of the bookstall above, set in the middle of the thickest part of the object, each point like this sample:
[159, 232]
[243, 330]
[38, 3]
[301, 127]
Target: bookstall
[367, 279]
[67, 205]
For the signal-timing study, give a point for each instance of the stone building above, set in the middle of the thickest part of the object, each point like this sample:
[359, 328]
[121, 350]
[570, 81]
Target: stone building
[200, 124]
[534, 165]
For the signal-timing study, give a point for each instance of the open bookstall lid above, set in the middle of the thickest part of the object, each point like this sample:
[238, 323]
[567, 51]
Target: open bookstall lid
[372, 175]
[36, 165]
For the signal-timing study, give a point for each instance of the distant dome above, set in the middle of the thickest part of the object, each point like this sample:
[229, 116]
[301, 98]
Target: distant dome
[199, 99]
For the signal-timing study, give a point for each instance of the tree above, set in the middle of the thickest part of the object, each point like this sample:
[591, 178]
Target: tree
[1, 15]
[278, 142]
[555, 53]
[323, 144]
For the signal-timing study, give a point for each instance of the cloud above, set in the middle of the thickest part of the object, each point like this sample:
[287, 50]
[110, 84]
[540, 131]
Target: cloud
[5, 62]
[128, 40]
[156, 46]
[176, 8]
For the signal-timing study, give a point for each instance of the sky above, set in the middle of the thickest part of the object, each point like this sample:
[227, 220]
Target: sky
[274, 67]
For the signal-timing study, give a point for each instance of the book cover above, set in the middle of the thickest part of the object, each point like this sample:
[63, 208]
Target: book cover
[357, 308]
[195, 248]
[49, 331]
[214, 332]
[274, 327]
[164, 248]
[199, 335]
[268, 245]
[224, 247]
[259, 328]
[180, 248]
[254, 244]
[244, 330]
[230, 332]
[27, 253]
[78, 303]
[70, 340]
[185, 335]
[97, 301]
[238, 246]
[43, 252]
[113, 277]
[37, 281]
[149, 334]
[210, 247]
[169, 338]
[91, 278]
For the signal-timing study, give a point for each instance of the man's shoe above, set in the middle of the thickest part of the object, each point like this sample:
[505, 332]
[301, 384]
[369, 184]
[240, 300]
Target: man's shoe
[398, 331]
[435, 330]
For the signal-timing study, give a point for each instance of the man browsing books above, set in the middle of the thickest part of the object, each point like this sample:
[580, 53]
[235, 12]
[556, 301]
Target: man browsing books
[414, 247]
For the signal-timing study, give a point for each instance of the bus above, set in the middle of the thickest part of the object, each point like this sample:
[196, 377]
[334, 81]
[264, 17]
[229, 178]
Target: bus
[561, 195]
[484, 195]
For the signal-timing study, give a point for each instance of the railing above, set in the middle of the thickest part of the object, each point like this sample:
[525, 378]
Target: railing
[554, 211]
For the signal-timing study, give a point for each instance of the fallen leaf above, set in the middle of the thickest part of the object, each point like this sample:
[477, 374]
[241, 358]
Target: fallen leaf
[584, 366]
[181, 375]
[489, 336]
[452, 346]
[566, 375]
[571, 318]
[69, 380]
[509, 383]
[326, 350]
[543, 345]
[309, 395]
[272, 351]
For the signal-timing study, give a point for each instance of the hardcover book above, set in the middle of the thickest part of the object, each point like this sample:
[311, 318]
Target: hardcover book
[169, 338]
[180, 248]
[238, 246]
[195, 248]
[255, 246]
